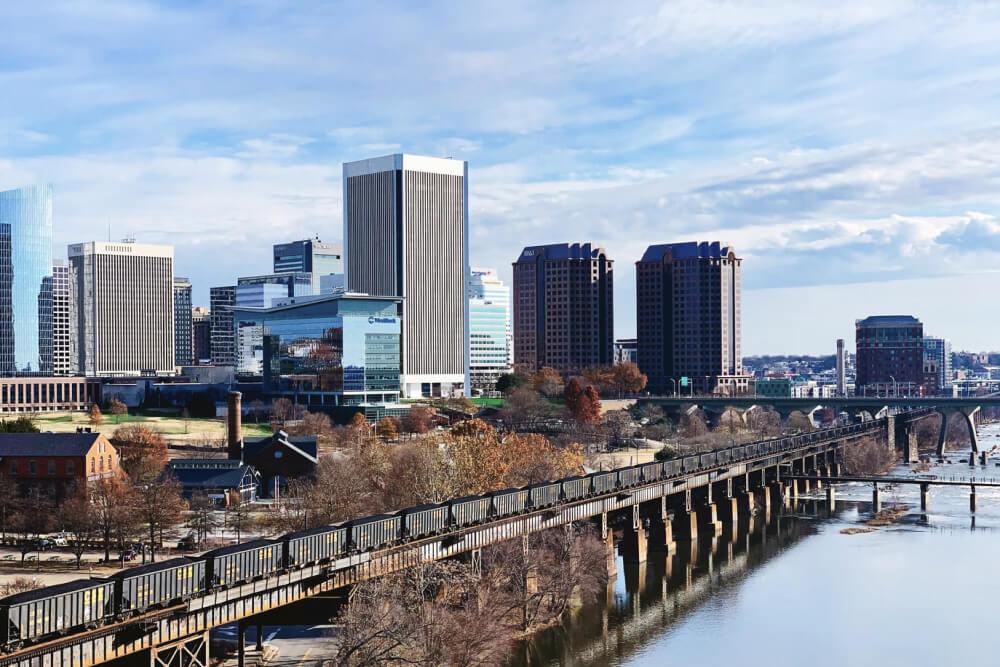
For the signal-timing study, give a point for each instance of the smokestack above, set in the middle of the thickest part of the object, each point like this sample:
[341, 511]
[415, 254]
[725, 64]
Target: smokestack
[234, 422]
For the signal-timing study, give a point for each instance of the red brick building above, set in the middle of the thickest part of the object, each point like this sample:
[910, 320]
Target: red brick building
[57, 462]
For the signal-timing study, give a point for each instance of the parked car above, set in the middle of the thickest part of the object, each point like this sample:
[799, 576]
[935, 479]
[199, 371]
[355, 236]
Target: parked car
[61, 540]
[42, 544]
[188, 543]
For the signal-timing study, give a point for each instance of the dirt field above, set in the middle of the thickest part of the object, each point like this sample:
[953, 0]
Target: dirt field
[174, 429]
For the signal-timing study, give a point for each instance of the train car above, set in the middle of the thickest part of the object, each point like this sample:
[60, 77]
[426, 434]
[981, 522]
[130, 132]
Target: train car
[724, 456]
[739, 453]
[544, 495]
[689, 463]
[575, 488]
[631, 476]
[155, 585]
[424, 520]
[509, 502]
[240, 563]
[603, 482]
[652, 472]
[318, 545]
[376, 531]
[707, 460]
[34, 615]
[470, 510]
[673, 467]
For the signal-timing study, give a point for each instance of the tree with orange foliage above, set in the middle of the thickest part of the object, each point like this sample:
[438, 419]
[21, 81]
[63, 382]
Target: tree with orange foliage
[388, 428]
[590, 407]
[573, 396]
[418, 420]
[138, 444]
[626, 378]
[547, 381]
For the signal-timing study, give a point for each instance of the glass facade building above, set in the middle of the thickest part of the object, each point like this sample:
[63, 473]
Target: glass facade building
[489, 328]
[26, 281]
[331, 350]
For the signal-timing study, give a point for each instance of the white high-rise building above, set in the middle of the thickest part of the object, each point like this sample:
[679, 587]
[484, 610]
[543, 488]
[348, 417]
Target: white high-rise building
[63, 343]
[490, 346]
[124, 296]
[406, 234]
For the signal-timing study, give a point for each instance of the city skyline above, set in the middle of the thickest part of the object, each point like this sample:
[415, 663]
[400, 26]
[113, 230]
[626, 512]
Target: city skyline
[875, 154]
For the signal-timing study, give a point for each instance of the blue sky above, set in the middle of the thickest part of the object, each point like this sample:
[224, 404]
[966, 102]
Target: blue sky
[850, 151]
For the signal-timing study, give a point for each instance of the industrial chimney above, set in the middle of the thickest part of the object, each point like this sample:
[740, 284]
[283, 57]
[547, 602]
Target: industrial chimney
[234, 422]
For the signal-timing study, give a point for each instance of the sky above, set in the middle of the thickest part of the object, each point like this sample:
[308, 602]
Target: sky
[850, 151]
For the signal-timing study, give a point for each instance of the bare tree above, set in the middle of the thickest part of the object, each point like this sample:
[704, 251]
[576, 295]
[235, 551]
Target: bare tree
[112, 500]
[159, 505]
[868, 456]
[202, 519]
[82, 522]
[32, 518]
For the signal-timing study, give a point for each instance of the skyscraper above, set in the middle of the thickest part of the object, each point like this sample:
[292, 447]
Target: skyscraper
[406, 224]
[124, 294]
[201, 325]
[938, 352]
[309, 256]
[688, 318]
[63, 344]
[183, 332]
[890, 356]
[221, 303]
[26, 281]
[490, 353]
[841, 368]
[563, 307]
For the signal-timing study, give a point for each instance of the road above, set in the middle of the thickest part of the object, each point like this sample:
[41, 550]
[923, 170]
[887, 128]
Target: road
[297, 645]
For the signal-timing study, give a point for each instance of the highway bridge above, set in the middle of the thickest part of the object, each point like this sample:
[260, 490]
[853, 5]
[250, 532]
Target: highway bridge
[685, 505]
[860, 407]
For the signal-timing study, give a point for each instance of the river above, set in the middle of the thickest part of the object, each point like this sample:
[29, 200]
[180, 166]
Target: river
[798, 590]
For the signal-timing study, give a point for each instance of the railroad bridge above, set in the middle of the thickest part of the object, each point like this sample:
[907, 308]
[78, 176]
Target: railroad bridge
[967, 409]
[737, 483]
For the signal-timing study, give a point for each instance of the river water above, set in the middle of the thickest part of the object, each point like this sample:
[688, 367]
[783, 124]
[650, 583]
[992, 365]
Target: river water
[798, 590]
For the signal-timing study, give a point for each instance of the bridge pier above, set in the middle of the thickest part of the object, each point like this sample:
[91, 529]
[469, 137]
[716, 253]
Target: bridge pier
[745, 504]
[925, 493]
[820, 473]
[633, 545]
[831, 499]
[983, 458]
[876, 499]
[708, 519]
[686, 526]
[972, 499]
[661, 536]
[729, 510]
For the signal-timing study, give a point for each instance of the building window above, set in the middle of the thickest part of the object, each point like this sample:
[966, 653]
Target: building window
[93, 466]
[32, 468]
[70, 467]
[101, 458]
[52, 467]
[13, 468]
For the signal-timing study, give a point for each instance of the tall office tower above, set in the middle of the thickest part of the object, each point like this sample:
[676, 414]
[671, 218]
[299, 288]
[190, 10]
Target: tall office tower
[309, 256]
[26, 281]
[841, 368]
[201, 326]
[221, 303]
[63, 314]
[124, 295]
[563, 307]
[406, 234]
[890, 356]
[490, 353]
[183, 332]
[938, 352]
[688, 318]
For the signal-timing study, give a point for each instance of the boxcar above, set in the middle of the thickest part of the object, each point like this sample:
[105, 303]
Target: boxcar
[707, 460]
[424, 520]
[470, 510]
[724, 456]
[33, 615]
[318, 545]
[604, 482]
[373, 532]
[240, 563]
[575, 488]
[509, 501]
[544, 495]
[739, 453]
[652, 472]
[673, 467]
[158, 584]
[690, 463]
[629, 476]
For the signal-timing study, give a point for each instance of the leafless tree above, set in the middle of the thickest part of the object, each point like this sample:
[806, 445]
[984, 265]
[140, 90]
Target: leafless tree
[82, 522]
[868, 456]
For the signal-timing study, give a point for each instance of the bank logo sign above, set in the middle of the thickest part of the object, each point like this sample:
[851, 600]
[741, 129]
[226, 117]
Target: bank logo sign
[382, 320]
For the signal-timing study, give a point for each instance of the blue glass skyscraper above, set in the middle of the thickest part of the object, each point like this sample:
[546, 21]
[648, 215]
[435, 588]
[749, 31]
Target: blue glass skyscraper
[26, 280]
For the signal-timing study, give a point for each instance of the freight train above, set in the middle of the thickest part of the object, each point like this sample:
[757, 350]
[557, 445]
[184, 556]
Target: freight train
[38, 615]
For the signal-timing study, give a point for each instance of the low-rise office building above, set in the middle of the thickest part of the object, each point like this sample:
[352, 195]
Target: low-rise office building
[48, 394]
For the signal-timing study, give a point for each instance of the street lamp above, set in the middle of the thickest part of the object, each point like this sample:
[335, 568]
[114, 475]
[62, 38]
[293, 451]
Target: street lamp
[895, 388]
[673, 384]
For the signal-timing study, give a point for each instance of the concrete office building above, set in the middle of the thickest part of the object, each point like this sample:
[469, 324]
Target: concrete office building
[841, 368]
[563, 307]
[201, 334]
[406, 231]
[490, 345]
[183, 326]
[688, 313]
[223, 343]
[63, 316]
[309, 256]
[626, 350]
[124, 294]
[890, 356]
[26, 281]
[260, 291]
[937, 354]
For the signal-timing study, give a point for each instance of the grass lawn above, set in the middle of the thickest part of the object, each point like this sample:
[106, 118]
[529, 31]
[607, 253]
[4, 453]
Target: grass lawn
[489, 402]
[174, 428]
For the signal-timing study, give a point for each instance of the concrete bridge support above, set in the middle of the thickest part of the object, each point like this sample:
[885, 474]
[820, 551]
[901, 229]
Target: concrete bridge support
[633, 545]
[876, 499]
[966, 413]
[925, 494]
[972, 499]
